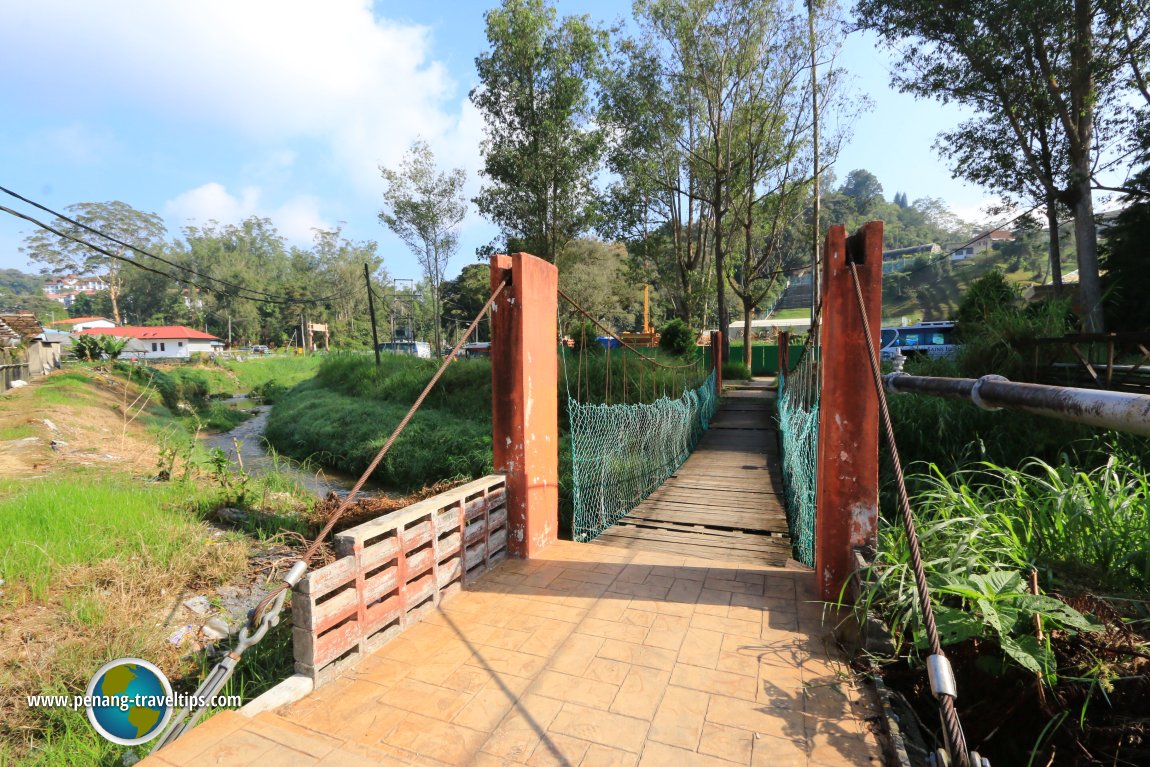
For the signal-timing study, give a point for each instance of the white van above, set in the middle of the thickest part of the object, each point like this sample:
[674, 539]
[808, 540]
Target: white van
[929, 339]
[417, 348]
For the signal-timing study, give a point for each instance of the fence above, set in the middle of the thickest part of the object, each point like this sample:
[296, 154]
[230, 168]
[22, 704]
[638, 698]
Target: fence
[17, 371]
[392, 571]
[1119, 361]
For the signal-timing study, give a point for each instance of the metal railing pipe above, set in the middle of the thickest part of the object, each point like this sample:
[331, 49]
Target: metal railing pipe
[1106, 409]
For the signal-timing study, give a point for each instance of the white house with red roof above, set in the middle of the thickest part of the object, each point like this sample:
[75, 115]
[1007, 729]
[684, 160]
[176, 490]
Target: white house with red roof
[163, 342]
[76, 324]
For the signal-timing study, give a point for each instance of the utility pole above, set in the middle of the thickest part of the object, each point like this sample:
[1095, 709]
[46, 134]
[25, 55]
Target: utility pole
[371, 310]
[815, 281]
[303, 331]
[229, 331]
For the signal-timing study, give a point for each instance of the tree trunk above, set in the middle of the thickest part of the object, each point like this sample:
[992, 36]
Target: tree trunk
[1055, 245]
[747, 332]
[721, 297]
[1086, 242]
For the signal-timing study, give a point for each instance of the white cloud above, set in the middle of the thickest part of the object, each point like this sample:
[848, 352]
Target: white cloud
[275, 70]
[294, 219]
[212, 202]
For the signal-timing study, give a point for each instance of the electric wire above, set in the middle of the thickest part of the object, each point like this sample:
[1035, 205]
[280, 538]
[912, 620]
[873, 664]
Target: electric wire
[264, 295]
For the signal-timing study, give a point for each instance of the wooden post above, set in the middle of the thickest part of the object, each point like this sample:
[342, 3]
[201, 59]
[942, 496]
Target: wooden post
[524, 408]
[846, 505]
[782, 363]
[717, 360]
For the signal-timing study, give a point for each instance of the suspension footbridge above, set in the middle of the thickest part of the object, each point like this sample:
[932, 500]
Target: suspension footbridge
[675, 627]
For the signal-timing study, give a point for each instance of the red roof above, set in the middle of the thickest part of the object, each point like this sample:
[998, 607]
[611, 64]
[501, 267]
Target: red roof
[146, 332]
[78, 320]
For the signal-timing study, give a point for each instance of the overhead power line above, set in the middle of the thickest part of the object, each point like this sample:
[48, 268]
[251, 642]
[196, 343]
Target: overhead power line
[261, 298]
[262, 295]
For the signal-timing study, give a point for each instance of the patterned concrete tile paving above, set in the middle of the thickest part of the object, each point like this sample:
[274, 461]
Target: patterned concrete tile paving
[587, 657]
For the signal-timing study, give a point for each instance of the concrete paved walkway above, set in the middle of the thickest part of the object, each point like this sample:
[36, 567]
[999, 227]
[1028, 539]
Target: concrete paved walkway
[589, 656]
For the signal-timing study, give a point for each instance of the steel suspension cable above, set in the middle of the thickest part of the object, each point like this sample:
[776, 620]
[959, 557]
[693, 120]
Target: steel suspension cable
[944, 687]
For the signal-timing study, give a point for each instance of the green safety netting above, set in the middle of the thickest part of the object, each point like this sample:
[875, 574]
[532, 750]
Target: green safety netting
[621, 453]
[799, 437]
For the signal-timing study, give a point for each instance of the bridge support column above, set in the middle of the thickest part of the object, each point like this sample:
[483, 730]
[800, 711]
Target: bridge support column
[847, 475]
[524, 407]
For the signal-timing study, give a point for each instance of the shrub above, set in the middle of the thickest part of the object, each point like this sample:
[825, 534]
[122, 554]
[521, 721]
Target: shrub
[583, 334]
[676, 338]
[736, 371]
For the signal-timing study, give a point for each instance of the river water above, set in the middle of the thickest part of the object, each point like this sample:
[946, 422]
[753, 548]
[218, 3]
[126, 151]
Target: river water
[256, 460]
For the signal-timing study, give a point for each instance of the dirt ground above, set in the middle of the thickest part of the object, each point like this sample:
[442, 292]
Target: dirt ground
[106, 428]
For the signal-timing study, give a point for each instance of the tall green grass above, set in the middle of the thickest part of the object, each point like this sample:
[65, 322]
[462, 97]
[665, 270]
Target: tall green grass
[84, 518]
[1079, 529]
[256, 373]
[345, 432]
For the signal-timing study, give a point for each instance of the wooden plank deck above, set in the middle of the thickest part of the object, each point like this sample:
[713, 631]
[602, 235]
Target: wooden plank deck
[725, 502]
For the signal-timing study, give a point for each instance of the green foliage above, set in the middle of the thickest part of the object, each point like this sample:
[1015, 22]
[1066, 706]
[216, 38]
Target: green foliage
[92, 348]
[594, 275]
[541, 146]
[998, 332]
[736, 371]
[1126, 261]
[150, 523]
[115, 219]
[981, 527]
[342, 417]
[986, 295]
[424, 209]
[346, 431]
[583, 335]
[676, 338]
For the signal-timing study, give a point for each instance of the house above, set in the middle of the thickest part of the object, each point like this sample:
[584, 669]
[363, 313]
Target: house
[163, 342]
[26, 351]
[76, 324]
[65, 289]
[981, 245]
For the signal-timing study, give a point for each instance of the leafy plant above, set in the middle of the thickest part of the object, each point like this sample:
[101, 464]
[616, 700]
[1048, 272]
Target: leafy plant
[92, 348]
[676, 337]
[997, 604]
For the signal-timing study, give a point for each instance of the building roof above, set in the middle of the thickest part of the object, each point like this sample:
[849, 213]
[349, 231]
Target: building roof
[146, 332]
[78, 320]
[23, 324]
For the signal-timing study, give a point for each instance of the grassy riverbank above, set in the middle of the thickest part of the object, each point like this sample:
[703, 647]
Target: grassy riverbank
[343, 416]
[97, 554]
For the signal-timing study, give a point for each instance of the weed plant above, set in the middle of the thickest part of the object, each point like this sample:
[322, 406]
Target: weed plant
[981, 528]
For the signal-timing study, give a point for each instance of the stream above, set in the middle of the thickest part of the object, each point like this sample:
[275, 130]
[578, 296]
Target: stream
[255, 459]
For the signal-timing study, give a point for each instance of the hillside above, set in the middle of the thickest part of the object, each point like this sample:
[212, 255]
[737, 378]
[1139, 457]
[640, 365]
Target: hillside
[933, 291]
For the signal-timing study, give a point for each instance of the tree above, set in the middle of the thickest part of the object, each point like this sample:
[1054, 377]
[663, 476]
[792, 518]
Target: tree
[541, 148]
[593, 273]
[463, 297]
[863, 188]
[115, 219]
[1127, 262]
[424, 207]
[1028, 60]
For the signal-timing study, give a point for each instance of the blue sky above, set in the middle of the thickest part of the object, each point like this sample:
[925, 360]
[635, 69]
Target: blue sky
[221, 109]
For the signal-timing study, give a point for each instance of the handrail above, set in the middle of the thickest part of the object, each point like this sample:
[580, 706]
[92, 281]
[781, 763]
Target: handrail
[1122, 411]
